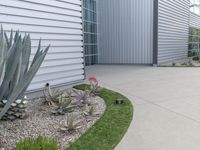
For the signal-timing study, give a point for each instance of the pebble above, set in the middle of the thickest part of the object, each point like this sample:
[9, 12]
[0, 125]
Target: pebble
[18, 101]
[13, 104]
[4, 101]
[41, 122]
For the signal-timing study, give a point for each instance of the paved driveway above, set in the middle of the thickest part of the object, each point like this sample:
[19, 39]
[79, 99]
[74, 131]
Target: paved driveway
[166, 103]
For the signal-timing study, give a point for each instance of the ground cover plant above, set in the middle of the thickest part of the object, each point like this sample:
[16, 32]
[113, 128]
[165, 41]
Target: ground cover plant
[110, 128]
[40, 143]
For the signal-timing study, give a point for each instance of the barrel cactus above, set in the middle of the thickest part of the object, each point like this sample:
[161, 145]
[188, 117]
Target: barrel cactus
[16, 71]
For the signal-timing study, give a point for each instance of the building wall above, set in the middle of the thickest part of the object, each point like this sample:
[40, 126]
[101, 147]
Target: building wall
[125, 29]
[173, 25]
[57, 22]
[194, 20]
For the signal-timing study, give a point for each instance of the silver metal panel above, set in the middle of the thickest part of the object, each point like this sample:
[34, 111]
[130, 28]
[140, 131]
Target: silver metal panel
[194, 20]
[57, 22]
[125, 31]
[173, 25]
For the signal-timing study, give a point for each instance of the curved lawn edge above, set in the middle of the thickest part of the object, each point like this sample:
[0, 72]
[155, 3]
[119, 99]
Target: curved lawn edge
[108, 131]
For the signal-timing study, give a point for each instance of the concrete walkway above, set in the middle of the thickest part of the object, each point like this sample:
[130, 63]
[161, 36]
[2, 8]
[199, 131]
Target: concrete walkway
[166, 103]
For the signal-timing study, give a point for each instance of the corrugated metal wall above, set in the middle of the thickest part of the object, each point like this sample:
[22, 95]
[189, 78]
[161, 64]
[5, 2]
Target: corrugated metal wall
[194, 20]
[57, 22]
[125, 31]
[173, 25]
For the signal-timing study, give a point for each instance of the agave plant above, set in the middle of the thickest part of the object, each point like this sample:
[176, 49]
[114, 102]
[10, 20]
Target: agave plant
[72, 124]
[16, 72]
[64, 105]
[89, 110]
[82, 97]
[51, 97]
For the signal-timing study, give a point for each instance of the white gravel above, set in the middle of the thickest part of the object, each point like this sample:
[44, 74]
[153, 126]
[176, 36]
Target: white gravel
[40, 122]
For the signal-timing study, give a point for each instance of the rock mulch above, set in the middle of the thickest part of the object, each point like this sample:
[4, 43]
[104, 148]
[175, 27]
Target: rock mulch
[40, 122]
[17, 109]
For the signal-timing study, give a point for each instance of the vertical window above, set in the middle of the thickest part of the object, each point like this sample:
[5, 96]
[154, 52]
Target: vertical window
[194, 42]
[90, 31]
[194, 33]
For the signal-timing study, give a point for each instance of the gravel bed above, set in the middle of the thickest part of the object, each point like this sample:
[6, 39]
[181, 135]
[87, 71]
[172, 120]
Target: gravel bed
[40, 122]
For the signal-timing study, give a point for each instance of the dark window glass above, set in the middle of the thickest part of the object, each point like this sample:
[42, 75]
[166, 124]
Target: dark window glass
[194, 42]
[90, 32]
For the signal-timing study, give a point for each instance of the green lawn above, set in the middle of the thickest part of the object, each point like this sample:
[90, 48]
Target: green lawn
[110, 128]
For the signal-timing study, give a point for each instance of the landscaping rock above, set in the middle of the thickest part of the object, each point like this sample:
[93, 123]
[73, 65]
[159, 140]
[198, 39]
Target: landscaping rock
[4, 101]
[13, 104]
[17, 110]
[18, 101]
[40, 121]
[11, 117]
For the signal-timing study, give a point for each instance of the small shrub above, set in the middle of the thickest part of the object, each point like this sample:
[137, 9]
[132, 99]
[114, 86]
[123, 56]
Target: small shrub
[40, 143]
[196, 58]
[190, 54]
[173, 64]
[184, 64]
[194, 53]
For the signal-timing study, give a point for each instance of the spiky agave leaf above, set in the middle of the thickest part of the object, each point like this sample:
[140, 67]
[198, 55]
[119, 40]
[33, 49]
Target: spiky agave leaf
[37, 53]
[23, 84]
[9, 41]
[26, 52]
[72, 124]
[12, 62]
[18, 74]
[3, 54]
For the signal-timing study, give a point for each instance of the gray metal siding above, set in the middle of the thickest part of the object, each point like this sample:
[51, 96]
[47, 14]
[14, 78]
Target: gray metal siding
[194, 20]
[125, 31]
[57, 22]
[173, 25]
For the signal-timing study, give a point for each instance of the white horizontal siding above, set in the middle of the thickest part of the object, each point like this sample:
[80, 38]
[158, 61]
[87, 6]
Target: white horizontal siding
[38, 22]
[173, 21]
[37, 14]
[40, 8]
[42, 29]
[57, 22]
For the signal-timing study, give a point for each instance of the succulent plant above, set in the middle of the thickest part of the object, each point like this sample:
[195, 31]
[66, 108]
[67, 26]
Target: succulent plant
[89, 111]
[82, 97]
[94, 86]
[94, 89]
[72, 124]
[64, 106]
[15, 71]
[51, 96]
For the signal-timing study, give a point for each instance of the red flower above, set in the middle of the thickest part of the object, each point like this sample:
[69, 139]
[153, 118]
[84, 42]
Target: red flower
[92, 79]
